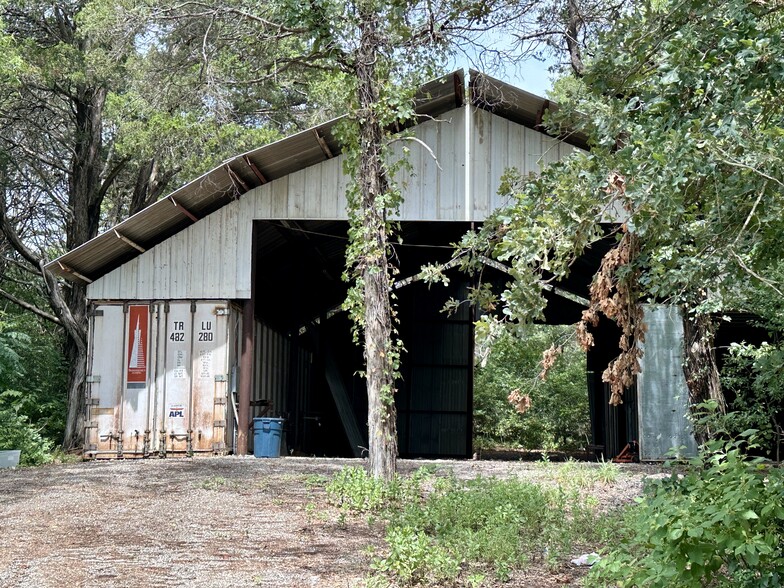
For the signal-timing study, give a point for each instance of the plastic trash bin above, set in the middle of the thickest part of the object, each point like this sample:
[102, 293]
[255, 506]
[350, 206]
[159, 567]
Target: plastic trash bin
[267, 435]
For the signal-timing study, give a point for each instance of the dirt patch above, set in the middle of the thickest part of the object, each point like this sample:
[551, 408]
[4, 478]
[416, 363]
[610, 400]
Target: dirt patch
[213, 522]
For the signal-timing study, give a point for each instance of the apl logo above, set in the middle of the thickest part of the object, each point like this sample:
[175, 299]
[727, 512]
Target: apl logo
[176, 412]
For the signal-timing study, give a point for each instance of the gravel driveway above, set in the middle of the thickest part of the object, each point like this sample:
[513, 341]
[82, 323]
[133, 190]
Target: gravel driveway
[206, 522]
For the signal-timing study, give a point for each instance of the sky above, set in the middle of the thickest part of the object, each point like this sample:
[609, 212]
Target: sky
[531, 75]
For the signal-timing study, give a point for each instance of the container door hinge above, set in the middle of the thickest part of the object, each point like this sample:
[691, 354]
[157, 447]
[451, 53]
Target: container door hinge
[219, 424]
[91, 425]
[218, 446]
[93, 401]
[220, 401]
[96, 379]
[221, 378]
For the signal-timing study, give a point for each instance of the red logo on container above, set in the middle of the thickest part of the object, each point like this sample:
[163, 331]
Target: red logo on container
[138, 323]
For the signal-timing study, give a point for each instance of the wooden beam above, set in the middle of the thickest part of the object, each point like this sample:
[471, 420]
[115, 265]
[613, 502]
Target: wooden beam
[235, 179]
[125, 239]
[184, 210]
[323, 144]
[72, 271]
[255, 170]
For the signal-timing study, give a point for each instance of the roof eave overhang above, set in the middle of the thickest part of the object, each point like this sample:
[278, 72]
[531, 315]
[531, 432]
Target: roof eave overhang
[244, 172]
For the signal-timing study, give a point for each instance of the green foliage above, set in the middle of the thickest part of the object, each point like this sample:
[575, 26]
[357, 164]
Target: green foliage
[354, 490]
[416, 559]
[753, 378]
[16, 432]
[681, 108]
[721, 523]
[511, 359]
[493, 526]
[442, 531]
[32, 394]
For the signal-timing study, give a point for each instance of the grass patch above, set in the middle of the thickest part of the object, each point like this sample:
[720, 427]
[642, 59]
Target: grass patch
[442, 531]
[573, 474]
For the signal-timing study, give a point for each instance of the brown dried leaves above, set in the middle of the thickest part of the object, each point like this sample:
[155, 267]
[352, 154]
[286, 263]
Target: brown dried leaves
[521, 402]
[615, 294]
[549, 358]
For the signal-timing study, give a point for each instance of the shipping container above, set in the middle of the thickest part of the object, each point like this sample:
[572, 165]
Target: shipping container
[158, 379]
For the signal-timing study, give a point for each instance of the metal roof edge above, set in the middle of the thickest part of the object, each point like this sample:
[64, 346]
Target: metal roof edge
[516, 105]
[244, 172]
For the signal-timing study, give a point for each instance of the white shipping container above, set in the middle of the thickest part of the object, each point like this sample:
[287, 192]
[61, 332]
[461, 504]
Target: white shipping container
[158, 379]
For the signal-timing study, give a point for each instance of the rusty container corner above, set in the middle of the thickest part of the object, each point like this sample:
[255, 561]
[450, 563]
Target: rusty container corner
[158, 379]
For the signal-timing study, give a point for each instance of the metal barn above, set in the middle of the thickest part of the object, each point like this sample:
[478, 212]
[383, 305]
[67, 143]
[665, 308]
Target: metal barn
[219, 302]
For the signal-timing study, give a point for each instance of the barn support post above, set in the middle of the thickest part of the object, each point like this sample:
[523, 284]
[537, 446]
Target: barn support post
[246, 377]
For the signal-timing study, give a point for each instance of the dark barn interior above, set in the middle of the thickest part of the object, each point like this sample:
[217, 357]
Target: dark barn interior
[308, 367]
[298, 292]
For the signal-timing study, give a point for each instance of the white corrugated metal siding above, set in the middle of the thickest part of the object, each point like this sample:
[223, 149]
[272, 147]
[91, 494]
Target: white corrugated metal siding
[212, 258]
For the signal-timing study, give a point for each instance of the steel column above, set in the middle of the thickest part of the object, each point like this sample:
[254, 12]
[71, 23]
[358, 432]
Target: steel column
[246, 377]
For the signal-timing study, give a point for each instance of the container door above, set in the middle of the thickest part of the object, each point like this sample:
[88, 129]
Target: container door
[135, 404]
[210, 375]
[175, 394]
[105, 381]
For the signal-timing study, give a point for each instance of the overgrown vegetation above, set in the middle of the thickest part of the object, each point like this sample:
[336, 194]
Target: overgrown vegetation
[32, 392]
[719, 523]
[442, 531]
[753, 380]
[557, 416]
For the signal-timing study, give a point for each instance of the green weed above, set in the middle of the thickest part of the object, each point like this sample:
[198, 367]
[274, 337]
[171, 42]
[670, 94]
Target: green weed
[214, 483]
[721, 523]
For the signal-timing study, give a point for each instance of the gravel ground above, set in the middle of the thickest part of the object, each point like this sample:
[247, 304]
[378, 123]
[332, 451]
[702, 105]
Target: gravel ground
[214, 522]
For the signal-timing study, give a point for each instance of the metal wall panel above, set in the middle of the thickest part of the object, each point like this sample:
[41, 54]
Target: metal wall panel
[212, 258]
[175, 404]
[158, 379]
[138, 374]
[498, 144]
[434, 403]
[662, 394]
[104, 382]
[210, 378]
[271, 371]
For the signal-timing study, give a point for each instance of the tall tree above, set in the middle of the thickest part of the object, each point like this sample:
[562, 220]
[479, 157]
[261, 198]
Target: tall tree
[84, 124]
[681, 106]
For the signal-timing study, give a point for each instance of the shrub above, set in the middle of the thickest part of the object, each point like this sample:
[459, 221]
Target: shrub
[721, 523]
[16, 432]
[495, 525]
[414, 558]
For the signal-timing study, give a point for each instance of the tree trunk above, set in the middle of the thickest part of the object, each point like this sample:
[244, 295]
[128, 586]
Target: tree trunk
[378, 329]
[85, 198]
[150, 184]
[76, 356]
[699, 367]
[573, 26]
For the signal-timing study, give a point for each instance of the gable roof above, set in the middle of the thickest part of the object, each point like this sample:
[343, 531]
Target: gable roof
[237, 175]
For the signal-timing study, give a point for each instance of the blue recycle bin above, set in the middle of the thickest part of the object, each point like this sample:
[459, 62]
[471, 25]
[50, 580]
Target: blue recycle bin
[267, 435]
